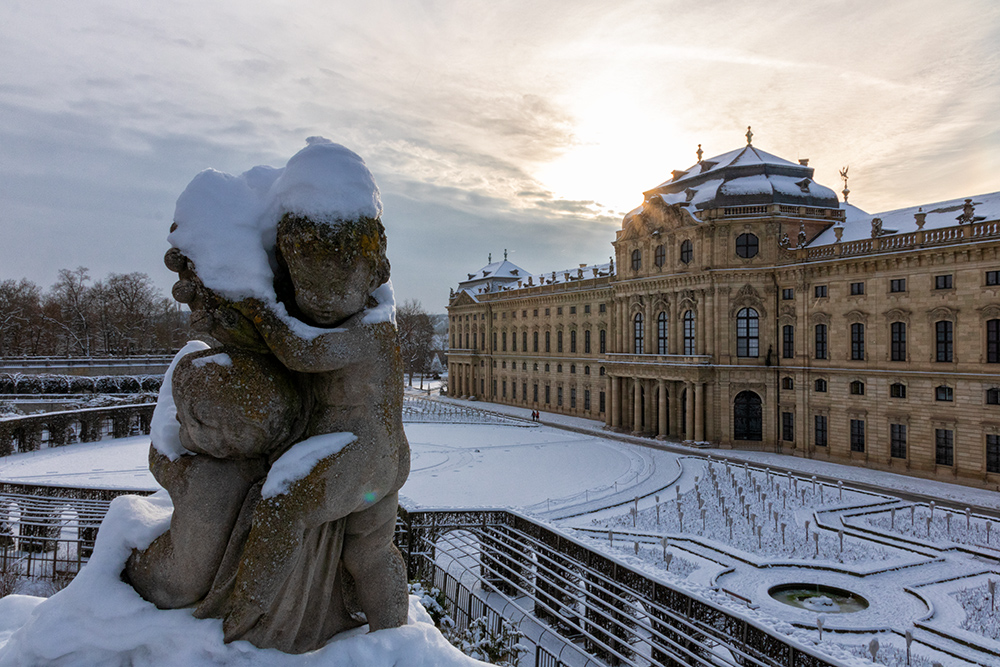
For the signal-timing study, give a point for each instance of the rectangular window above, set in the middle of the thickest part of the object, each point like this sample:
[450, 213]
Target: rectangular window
[942, 282]
[548, 341]
[586, 341]
[534, 392]
[857, 435]
[572, 342]
[586, 309]
[559, 396]
[944, 393]
[820, 291]
[897, 390]
[993, 453]
[993, 277]
[547, 311]
[586, 399]
[572, 310]
[858, 341]
[524, 391]
[534, 313]
[944, 334]
[604, 341]
[503, 340]
[944, 447]
[787, 294]
[548, 394]
[897, 285]
[898, 346]
[504, 387]
[897, 441]
[601, 399]
[821, 341]
[857, 289]
[820, 430]
[559, 338]
[788, 426]
[788, 341]
[572, 397]
[602, 308]
[559, 310]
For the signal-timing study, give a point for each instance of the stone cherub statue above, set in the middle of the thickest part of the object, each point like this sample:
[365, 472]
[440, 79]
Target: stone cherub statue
[289, 450]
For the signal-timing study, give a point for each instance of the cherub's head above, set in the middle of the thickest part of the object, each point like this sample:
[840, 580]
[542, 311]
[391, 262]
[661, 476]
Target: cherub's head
[333, 268]
[234, 404]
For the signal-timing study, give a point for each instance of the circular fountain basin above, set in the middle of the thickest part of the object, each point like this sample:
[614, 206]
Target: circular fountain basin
[819, 598]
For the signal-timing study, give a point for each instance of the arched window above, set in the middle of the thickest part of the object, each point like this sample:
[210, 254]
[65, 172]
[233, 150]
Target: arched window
[747, 333]
[858, 341]
[660, 255]
[787, 383]
[821, 341]
[897, 331]
[748, 423]
[820, 385]
[993, 341]
[689, 332]
[637, 331]
[603, 341]
[636, 259]
[586, 341]
[661, 333]
[746, 246]
[687, 254]
[572, 342]
[524, 340]
[944, 334]
[858, 388]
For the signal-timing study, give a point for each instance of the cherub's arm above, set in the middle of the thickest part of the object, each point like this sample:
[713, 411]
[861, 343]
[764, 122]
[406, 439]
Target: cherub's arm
[330, 350]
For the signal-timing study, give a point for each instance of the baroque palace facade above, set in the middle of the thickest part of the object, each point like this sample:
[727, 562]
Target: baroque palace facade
[746, 306]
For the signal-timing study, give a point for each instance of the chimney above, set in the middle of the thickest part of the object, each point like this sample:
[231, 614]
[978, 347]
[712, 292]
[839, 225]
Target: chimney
[804, 161]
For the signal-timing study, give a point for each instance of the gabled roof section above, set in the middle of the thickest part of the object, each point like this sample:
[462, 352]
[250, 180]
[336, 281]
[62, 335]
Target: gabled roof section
[493, 276]
[744, 177]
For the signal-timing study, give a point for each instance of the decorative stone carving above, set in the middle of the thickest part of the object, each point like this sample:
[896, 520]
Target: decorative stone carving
[290, 451]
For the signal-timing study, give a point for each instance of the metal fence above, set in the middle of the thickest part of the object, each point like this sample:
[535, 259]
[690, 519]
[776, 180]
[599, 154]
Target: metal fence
[575, 606]
[45, 537]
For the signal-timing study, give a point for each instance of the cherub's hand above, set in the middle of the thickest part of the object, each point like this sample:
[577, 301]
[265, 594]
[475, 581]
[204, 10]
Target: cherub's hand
[211, 313]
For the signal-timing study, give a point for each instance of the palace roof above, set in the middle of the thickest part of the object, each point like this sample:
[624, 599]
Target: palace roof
[744, 177]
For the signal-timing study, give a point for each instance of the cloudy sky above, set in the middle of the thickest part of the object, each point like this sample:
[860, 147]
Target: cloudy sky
[526, 125]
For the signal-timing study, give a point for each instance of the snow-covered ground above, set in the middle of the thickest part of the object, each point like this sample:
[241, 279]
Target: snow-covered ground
[752, 537]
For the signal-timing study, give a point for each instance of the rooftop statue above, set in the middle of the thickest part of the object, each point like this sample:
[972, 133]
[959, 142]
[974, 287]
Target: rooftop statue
[288, 450]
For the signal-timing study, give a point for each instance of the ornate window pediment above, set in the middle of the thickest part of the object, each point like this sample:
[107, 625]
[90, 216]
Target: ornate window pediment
[990, 312]
[897, 315]
[819, 318]
[942, 313]
[856, 316]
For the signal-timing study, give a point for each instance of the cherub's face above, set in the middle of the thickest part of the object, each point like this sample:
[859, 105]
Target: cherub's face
[328, 292]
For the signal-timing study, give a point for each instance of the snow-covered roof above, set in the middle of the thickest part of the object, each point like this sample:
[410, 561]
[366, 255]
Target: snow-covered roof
[747, 176]
[858, 223]
[504, 276]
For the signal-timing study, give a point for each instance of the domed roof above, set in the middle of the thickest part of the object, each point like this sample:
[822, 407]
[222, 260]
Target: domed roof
[744, 177]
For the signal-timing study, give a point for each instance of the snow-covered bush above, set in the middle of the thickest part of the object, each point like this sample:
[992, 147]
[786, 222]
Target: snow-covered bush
[500, 647]
[434, 601]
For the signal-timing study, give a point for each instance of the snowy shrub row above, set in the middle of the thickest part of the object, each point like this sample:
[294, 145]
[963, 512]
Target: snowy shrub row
[17, 383]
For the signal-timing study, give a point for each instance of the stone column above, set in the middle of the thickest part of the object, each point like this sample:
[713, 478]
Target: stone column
[661, 430]
[649, 423]
[609, 413]
[637, 407]
[689, 412]
[699, 411]
[674, 406]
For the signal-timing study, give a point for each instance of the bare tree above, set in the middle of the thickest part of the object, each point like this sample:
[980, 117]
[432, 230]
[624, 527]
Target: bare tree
[69, 309]
[415, 337]
[20, 315]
